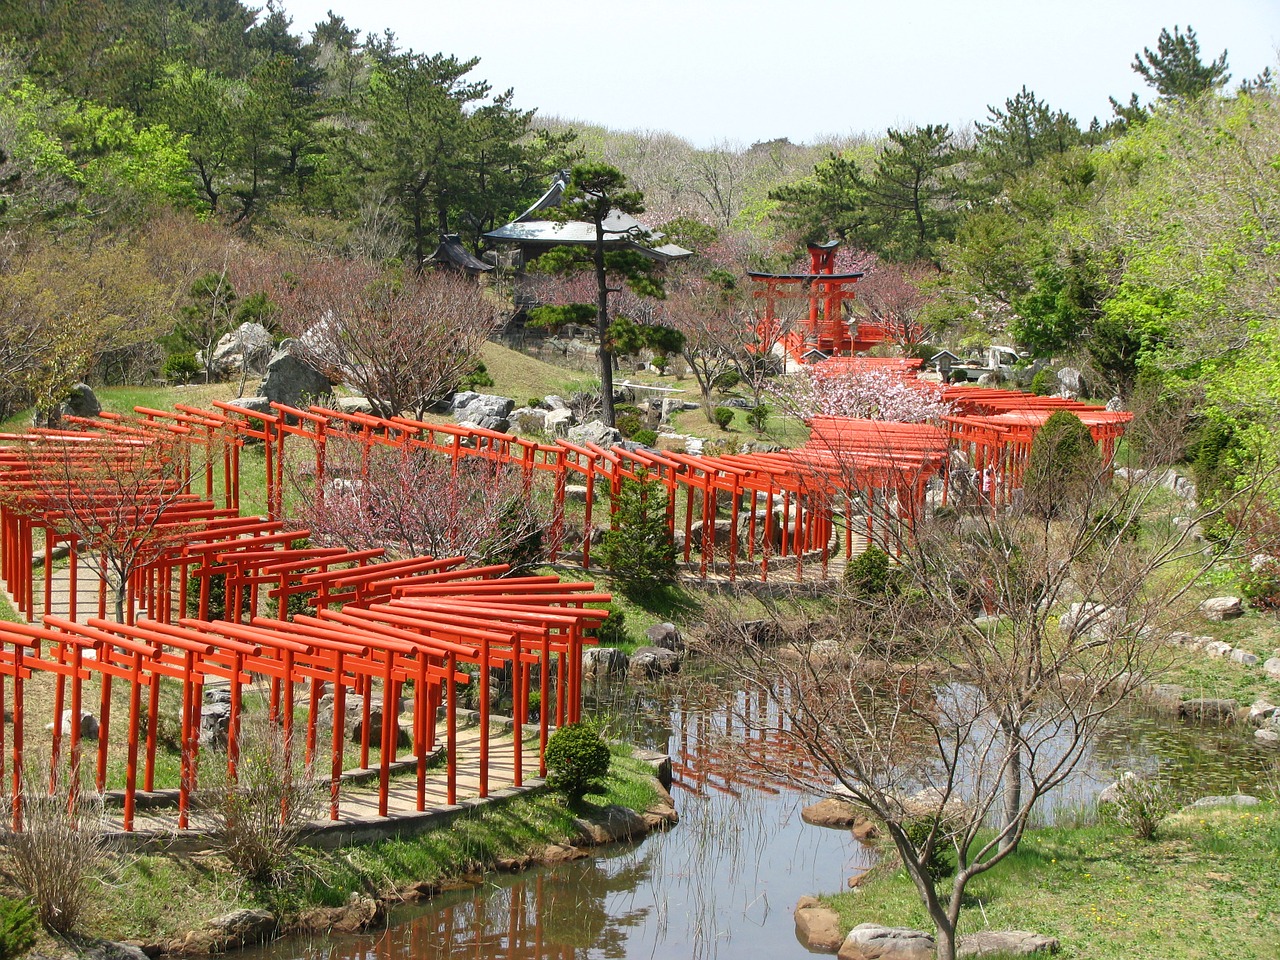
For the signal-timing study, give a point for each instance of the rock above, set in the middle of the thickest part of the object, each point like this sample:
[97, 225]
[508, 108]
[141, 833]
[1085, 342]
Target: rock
[81, 402]
[492, 424]
[1072, 380]
[247, 346]
[561, 853]
[614, 822]
[215, 725]
[864, 831]
[553, 403]
[403, 740]
[529, 420]
[600, 662]
[1129, 474]
[666, 636]
[1243, 657]
[594, 431]
[1179, 485]
[1222, 608]
[648, 663]
[1111, 793]
[111, 950]
[1236, 800]
[478, 407]
[557, 422]
[870, 941]
[253, 404]
[1217, 648]
[1260, 710]
[291, 380]
[243, 927]
[1272, 667]
[1115, 405]
[358, 913]
[88, 725]
[818, 926]
[1091, 619]
[1209, 709]
[1267, 738]
[350, 405]
[832, 812]
[1005, 943]
[1167, 696]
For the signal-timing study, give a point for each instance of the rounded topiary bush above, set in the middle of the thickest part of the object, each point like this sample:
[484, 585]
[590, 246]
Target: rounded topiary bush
[869, 574]
[1063, 468]
[1044, 382]
[646, 437]
[723, 416]
[577, 760]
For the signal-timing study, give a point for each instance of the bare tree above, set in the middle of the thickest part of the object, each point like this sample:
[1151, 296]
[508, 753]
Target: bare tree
[419, 503]
[121, 498]
[953, 694]
[402, 339]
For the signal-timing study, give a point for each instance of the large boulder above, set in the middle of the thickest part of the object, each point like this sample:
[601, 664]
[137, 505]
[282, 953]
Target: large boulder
[1209, 710]
[612, 823]
[1222, 608]
[594, 431]
[665, 635]
[1005, 943]
[292, 381]
[477, 407]
[241, 928]
[818, 926]
[248, 346]
[558, 421]
[832, 812]
[215, 725]
[529, 420]
[648, 663]
[81, 402]
[1272, 666]
[601, 662]
[870, 941]
[1071, 381]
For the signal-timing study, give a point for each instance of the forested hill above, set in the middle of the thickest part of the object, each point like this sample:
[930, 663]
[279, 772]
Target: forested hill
[1141, 246]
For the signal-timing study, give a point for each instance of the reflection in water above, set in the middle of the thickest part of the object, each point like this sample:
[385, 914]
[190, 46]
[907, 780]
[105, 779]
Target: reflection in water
[724, 882]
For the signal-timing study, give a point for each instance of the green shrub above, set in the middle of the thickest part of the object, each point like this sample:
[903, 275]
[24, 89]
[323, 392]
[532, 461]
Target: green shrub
[1260, 585]
[1044, 382]
[628, 424]
[478, 377]
[648, 437]
[1063, 466]
[639, 551]
[612, 631]
[723, 416]
[758, 417]
[181, 367]
[17, 928]
[937, 865]
[217, 595]
[869, 574]
[1143, 803]
[727, 380]
[577, 760]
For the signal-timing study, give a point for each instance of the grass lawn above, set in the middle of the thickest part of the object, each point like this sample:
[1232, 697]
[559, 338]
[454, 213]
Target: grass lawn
[1205, 888]
[155, 896]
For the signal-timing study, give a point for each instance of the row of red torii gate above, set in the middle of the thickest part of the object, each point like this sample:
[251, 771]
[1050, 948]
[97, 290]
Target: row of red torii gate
[151, 503]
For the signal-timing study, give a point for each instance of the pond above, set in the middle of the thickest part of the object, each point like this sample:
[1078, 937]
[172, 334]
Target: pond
[724, 882]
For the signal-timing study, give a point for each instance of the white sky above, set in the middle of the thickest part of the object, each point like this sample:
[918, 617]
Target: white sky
[748, 70]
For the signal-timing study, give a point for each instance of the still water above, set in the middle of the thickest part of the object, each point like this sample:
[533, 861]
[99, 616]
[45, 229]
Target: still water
[724, 882]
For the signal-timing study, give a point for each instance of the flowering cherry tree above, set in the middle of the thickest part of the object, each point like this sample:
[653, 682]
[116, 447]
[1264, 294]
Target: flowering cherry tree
[863, 394]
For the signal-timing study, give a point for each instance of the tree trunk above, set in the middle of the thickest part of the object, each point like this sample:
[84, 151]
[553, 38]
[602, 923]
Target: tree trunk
[602, 326]
[1012, 782]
